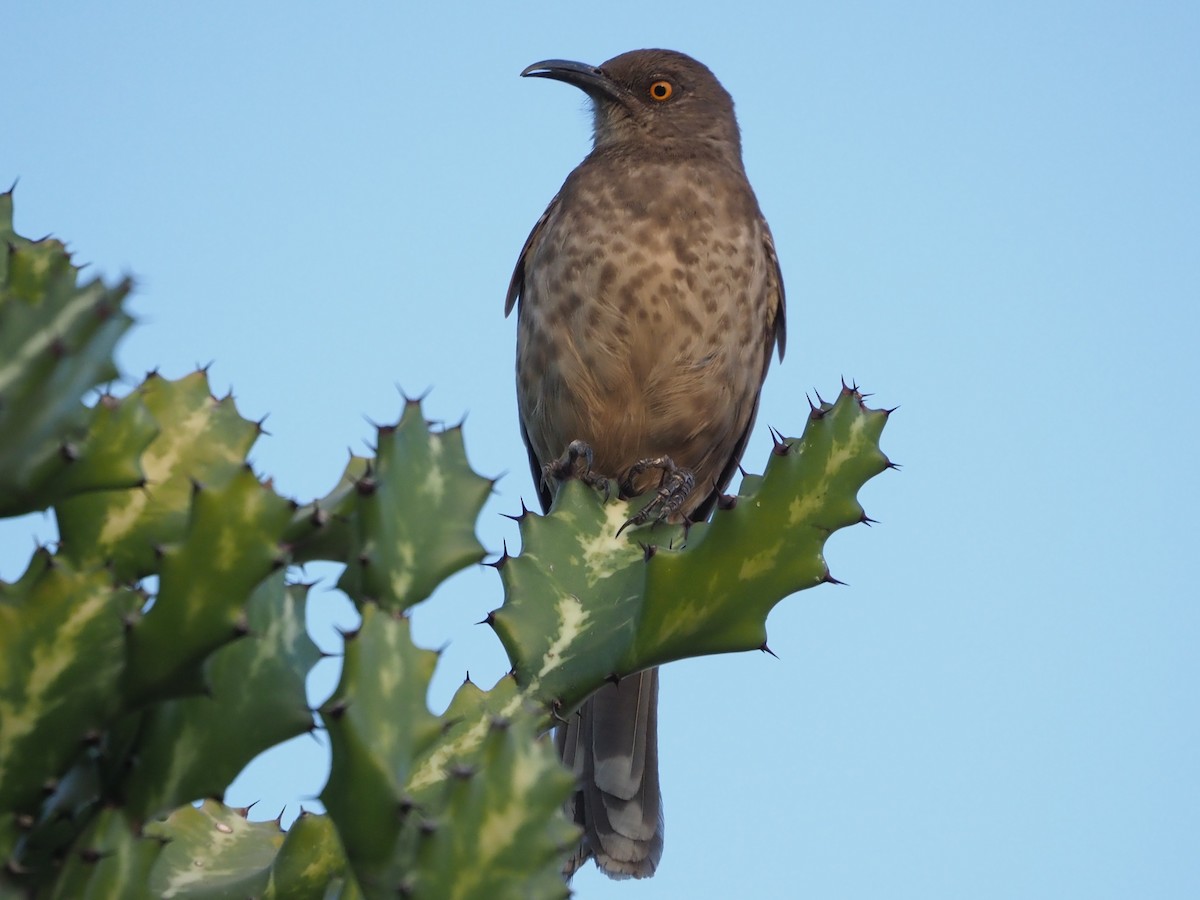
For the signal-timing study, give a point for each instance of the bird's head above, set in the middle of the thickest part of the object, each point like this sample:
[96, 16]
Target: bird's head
[652, 97]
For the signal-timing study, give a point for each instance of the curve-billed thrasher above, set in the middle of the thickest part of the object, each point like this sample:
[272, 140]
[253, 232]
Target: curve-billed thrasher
[650, 301]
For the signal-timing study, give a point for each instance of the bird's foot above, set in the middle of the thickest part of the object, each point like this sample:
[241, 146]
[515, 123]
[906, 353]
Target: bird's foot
[674, 488]
[576, 462]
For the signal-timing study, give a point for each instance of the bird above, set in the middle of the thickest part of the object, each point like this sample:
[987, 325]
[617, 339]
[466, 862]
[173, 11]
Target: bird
[650, 302]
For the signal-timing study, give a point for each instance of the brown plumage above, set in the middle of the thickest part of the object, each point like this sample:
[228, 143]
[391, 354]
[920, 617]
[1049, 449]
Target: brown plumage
[650, 300]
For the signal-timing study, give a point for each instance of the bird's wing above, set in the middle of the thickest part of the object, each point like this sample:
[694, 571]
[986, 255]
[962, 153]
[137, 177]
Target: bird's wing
[777, 334]
[545, 497]
[516, 284]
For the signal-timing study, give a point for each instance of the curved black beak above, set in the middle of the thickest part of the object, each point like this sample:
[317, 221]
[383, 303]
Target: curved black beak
[590, 79]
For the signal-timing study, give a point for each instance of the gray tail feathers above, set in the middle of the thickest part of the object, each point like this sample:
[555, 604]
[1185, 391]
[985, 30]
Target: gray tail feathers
[612, 746]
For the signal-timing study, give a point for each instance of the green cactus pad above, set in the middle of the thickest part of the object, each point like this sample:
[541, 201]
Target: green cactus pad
[200, 440]
[322, 529]
[194, 747]
[584, 604]
[378, 724]
[212, 853]
[414, 514]
[310, 864]
[109, 862]
[466, 805]
[497, 829]
[56, 342]
[62, 642]
[232, 544]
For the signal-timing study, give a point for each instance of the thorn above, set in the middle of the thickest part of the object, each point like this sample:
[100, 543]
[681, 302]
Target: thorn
[91, 856]
[499, 723]
[259, 425]
[336, 711]
[829, 579]
[462, 771]
[489, 619]
[24, 821]
[726, 501]
[888, 412]
[521, 515]
[648, 550]
[613, 678]
[241, 628]
[820, 399]
[58, 348]
[427, 826]
[888, 464]
[467, 680]
[49, 786]
[765, 649]
[366, 486]
[69, 452]
[91, 738]
[868, 521]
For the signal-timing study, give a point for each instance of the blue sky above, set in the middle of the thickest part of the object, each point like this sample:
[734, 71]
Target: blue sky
[987, 214]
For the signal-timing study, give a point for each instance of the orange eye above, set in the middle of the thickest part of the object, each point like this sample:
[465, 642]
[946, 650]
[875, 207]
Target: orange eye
[661, 90]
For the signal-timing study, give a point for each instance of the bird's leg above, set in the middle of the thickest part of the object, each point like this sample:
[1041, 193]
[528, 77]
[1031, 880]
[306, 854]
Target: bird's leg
[576, 462]
[673, 490]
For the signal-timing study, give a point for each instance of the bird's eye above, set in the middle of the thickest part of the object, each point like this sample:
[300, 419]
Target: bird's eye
[661, 90]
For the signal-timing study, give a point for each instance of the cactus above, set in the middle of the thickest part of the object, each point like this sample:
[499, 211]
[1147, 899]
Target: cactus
[160, 646]
[56, 342]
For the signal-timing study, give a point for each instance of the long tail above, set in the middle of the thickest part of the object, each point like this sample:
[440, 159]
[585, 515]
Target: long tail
[612, 746]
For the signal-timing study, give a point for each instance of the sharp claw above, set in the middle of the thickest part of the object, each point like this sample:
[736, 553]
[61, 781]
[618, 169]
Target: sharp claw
[576, 462]
[674, 488]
